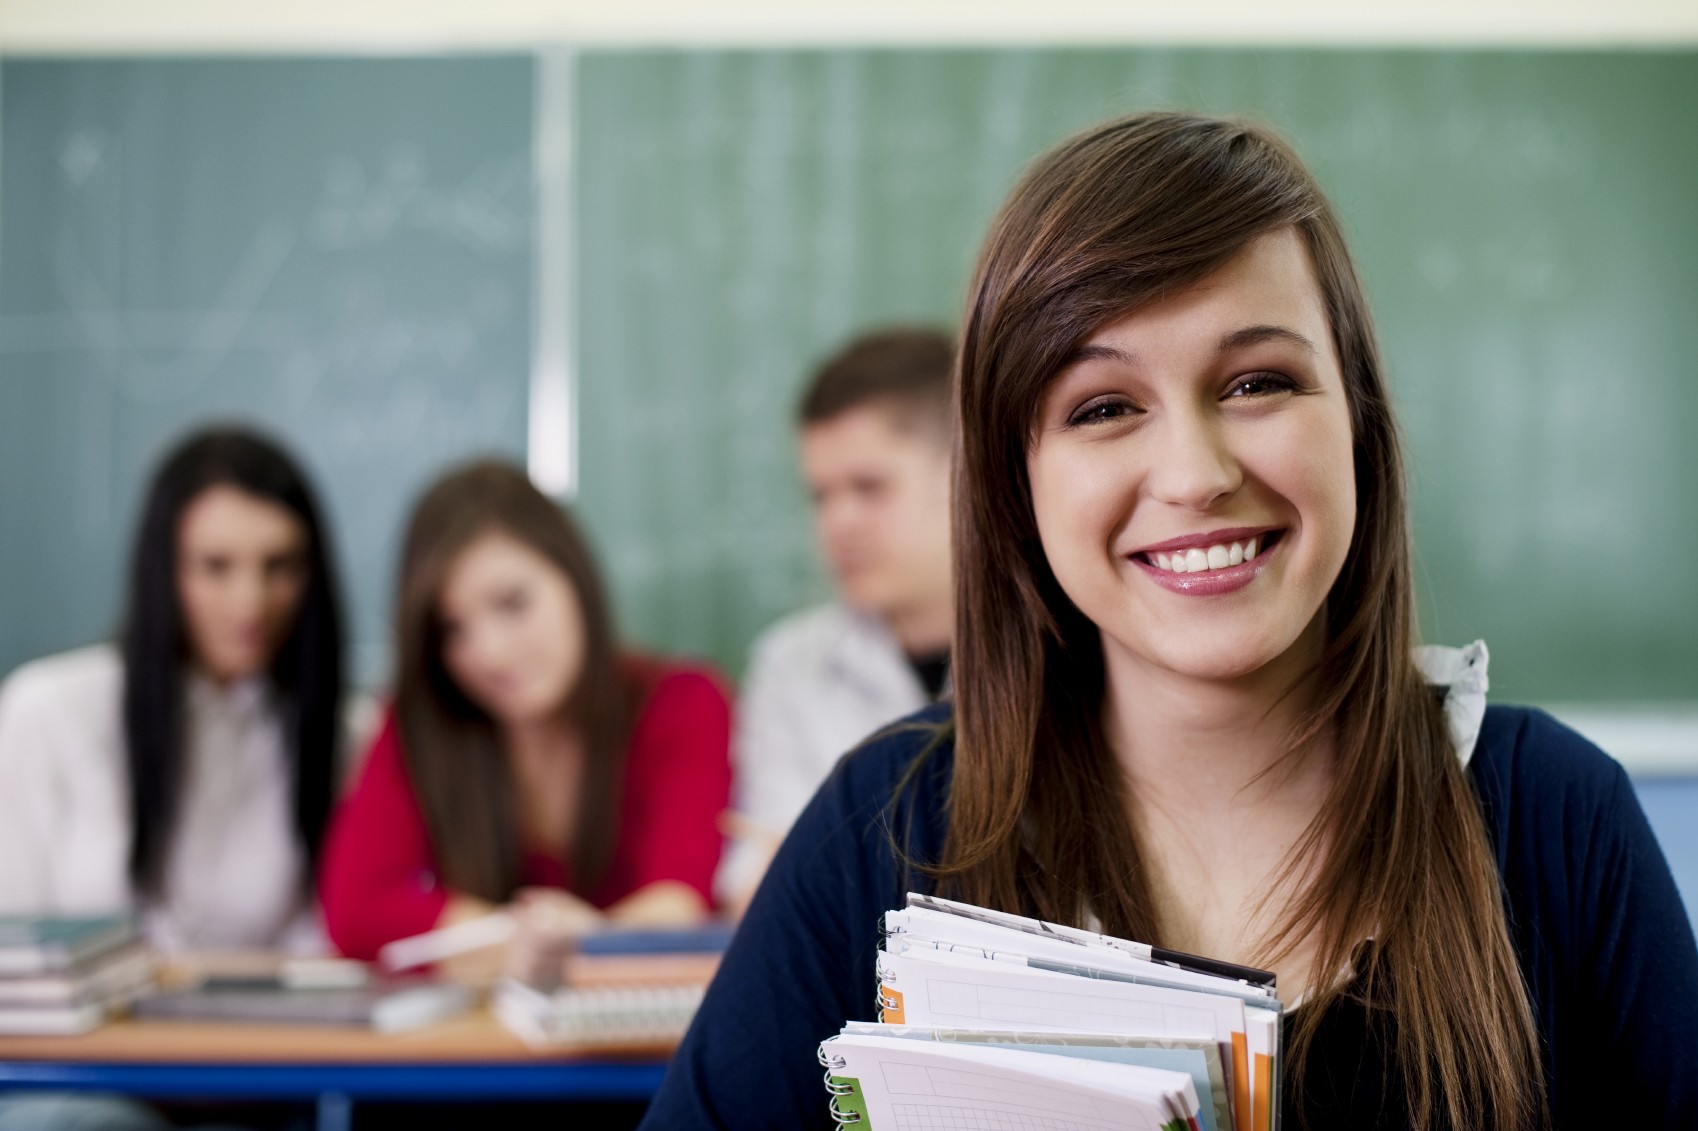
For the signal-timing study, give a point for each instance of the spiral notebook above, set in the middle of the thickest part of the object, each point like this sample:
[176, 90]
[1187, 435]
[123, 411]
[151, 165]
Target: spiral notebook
[1082, 1030]
[923, 1086]
[622, 989]
[605, 1017]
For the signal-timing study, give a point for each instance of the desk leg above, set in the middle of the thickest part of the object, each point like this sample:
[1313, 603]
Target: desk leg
[335, 1112]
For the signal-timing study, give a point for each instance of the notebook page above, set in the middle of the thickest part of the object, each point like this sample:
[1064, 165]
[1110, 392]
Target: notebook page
[953, 990]
[1262, 1029]
[940, 931]
[956, 990]
[922, 1086]
[1198, 1058]
[1231, 971]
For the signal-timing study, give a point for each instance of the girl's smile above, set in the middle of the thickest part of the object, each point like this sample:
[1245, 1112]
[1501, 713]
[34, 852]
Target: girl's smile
[1204, 565]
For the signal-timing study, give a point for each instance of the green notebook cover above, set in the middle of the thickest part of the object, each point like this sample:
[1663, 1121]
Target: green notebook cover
[851, 1101]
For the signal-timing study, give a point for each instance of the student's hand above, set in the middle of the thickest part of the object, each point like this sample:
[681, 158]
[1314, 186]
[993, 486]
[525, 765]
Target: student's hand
[481, 967]
[550, 922]
[660, 905]
[759, 844]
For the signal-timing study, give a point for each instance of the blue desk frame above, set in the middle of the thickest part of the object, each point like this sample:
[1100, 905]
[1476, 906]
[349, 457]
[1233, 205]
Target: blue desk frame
[335, 1088]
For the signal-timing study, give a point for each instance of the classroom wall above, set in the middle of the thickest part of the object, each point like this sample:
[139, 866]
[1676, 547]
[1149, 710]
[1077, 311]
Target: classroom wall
[86, 27]
[349, 248]
[215, 25]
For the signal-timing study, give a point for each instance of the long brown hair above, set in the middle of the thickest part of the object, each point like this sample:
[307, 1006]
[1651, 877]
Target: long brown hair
[1113, 218]
[454, 755]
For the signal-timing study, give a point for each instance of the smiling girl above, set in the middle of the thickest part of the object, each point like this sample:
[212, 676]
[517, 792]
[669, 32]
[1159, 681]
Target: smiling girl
[528, 761]
[1188, 708]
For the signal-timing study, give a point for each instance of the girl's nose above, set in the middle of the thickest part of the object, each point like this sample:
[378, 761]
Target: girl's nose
[1194, 467]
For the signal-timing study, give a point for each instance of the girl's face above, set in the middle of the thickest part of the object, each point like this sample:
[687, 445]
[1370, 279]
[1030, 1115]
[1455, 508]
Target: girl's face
[241, 570]
[1192, 476]
[512, 630]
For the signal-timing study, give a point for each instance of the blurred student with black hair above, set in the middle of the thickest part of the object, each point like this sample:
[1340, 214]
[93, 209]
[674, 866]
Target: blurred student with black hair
[873, 439]
[185, 772]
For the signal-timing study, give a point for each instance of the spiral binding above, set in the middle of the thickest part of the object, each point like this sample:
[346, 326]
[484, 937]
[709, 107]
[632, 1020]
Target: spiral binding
[600, 1015]
[833, 1064]
[884, 1003]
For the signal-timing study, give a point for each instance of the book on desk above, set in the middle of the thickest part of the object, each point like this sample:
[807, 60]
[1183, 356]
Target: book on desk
[384, 1004]
[62, 976]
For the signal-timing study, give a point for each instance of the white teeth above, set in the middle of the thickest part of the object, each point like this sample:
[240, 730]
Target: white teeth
[1222, 555]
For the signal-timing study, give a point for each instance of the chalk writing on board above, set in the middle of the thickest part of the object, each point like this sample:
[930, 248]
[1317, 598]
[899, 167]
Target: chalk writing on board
[166, 355]
[127, 342]
[361, 206]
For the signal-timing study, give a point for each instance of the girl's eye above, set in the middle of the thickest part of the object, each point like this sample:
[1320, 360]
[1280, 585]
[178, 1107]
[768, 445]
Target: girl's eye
[1098, 411]
[1261, 384]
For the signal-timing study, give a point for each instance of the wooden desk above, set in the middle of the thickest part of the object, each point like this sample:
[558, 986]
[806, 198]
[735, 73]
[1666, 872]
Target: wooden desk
[470, 1058]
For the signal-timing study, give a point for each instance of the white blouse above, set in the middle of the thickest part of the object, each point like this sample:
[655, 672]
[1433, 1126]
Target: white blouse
[234, 869]
[819, 681]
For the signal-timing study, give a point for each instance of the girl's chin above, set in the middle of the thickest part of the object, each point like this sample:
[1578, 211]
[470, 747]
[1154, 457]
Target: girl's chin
[235, 667]
[520, 712]
[1209, 660]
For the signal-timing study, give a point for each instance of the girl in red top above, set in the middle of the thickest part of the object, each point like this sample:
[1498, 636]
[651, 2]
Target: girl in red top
[526, 762]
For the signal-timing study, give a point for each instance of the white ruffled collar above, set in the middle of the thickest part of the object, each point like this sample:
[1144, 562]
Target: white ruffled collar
[1462, 673]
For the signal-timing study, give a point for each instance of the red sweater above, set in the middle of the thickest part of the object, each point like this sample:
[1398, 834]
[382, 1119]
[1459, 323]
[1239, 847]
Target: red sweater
[378, 881]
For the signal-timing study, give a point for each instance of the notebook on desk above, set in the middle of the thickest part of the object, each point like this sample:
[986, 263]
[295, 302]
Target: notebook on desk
[968, 995]
[618, 988]
[387, 1005]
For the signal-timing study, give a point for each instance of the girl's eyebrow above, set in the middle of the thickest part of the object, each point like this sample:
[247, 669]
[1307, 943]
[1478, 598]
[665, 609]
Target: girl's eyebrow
[1256, 335]
[1234, 340]
[1093, 351]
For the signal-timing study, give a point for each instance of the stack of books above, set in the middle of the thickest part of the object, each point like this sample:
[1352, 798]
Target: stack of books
[618, 989]
[990, 1020]
[61, 976]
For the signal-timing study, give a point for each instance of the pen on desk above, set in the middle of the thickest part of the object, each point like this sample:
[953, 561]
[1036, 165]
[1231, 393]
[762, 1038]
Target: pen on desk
[446, 942]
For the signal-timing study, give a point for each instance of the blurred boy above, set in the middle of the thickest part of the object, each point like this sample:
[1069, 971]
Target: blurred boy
[874, 446]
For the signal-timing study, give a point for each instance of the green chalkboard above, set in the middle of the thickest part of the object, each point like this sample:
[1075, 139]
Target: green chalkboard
[337, 249]
[1525, 222]
[344, 250]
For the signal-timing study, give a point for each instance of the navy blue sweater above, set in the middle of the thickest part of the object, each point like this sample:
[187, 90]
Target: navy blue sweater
[1606, 948]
